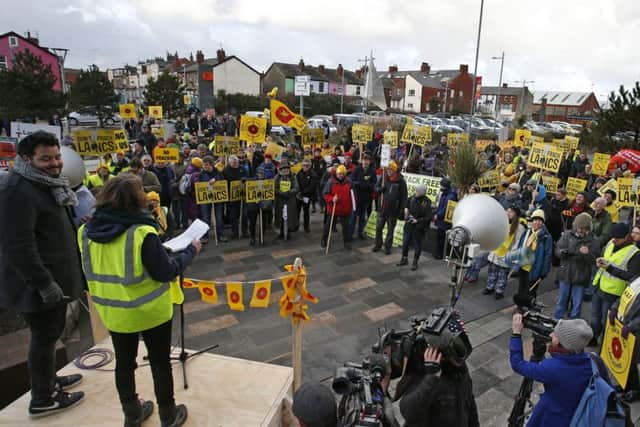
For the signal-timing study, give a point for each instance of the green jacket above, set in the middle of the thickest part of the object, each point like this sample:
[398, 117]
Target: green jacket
[601, 227]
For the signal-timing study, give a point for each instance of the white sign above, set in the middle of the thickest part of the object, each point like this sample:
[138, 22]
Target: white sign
[385, 155]
[302, 86]
[20, 130]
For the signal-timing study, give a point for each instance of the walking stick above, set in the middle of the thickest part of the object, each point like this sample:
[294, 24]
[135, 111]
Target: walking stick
[213, 221]
[285, 220]
[333, 214]
[260, 219]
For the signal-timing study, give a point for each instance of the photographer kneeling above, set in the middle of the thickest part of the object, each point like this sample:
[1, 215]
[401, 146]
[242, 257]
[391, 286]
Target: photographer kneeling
[565, 375]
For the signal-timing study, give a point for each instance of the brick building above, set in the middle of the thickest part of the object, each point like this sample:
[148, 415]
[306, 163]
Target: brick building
[514, 101]
[572, 107]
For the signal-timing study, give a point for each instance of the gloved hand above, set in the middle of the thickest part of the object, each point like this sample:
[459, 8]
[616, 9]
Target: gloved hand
[625, 332]
[51, 294]
[613, 313]
[565, 253]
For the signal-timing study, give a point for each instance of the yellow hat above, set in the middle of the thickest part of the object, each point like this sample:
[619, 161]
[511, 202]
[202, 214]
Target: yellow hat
[197, 162]
[152, 195]
[393, 166]
[341, 169]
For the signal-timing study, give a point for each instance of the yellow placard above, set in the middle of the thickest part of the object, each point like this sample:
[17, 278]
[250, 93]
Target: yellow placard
[627, 297]
[361, 134]
[285, 186]
[296, 168]
[207, 194]
[482, 144]
[235, 191]
[574, 186]
[551, 183]
[106, 141]
[521, 137]
[489, 179]
[417, 135]
[82, 139]
[600, 165]
[612, 184]
[572, 141]
[158, 131]
[545, 156]
[127, 111]
[564, 145]
[226, 145]
[186, 99]
[617, 352]
[259, 190]
[327, 151]
[312, 136]
[448, 215]
[253, 129]
[155, 111]
[276, 151]
[455, 138]
[391, 138]
[166, 155]
[506, 145]
[627, 192]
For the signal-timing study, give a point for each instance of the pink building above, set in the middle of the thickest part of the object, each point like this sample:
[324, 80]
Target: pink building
[12, 43]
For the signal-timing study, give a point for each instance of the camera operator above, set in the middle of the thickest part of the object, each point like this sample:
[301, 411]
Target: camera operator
[313, 406]
[439, 392]
[565, 375]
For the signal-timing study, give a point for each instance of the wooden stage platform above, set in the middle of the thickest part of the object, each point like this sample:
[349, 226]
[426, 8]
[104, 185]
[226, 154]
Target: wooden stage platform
[223, 391]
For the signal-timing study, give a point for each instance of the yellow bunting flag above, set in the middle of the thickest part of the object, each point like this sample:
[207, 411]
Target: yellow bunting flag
[289, 286]
[127, 111]
[617, 352]
[301, 284]
[234, 296]
[281, 115]
[208, 291]
[600, 164]
[189, 283]
[261, 294]
[155, 111]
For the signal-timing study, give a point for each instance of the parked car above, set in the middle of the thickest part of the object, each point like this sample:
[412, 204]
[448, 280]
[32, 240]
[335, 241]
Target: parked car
[345, 120]
[259, 114]
[314, 123]
[76, 119]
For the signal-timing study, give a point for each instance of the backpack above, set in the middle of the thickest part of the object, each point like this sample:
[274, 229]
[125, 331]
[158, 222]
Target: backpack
[185, 184]
[599, 406]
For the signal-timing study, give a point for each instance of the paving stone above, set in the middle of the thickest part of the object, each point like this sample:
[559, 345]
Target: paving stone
[383, 312]
[493, 408]
[318, 321]
[271, 334]
[328, 303]
[482, 354]
[362, 283]
[237, 256]
[499, 366]
[483, 380]
[349, 309]
[210, 325]
[285, 253]
[319, 335]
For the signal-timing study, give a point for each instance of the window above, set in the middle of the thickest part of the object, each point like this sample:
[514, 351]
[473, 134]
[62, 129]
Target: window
[13, 41]
[412, 92]
[357, 90]
[409, 105]
[320, 87]
[3, 63]
[460, 94]
[453, 93]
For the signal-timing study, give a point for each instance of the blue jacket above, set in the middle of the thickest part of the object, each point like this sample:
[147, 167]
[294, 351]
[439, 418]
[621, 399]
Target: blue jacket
[544, 251]
[565, 377]
[443, 200]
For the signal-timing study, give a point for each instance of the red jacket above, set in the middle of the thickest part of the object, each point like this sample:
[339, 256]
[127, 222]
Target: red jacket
[343, 191]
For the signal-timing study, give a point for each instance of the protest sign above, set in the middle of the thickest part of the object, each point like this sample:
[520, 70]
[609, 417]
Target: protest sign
[155, 111]
[391, 138]
[312, 136]
[455, 138]
[259, 190]
[431, 182]
[612, 184]
[417, 135]
[521, 137]
[482, 144]
[370, 230]
[361, 134]
[617, 351]
[127, 111]
[207, 194]
[572, 141]
[226, 145]
[253, 129]
[551, 183]
[600, 165]
[545, 156]
[105, 141]
[235, 191]
[276, 151]
[385, 155]
[489, 179]
[158, 131]
[627, 192]
[448, 215]
[574, 186]
[166, 155]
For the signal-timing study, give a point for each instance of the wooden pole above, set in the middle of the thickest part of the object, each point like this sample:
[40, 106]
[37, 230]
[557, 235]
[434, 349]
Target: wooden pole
[296, 329]
[213, 222]
[260, 219]
[333, 214]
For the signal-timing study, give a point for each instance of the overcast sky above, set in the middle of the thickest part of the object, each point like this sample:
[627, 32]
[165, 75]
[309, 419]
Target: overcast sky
[572, 45]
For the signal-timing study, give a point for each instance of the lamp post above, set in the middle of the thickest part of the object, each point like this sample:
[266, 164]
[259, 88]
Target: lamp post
[475, 67]
[501, 58]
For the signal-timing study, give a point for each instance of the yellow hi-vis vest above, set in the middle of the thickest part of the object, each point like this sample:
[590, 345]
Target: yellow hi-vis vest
[608, 282]
[125, 296]
[96, 180]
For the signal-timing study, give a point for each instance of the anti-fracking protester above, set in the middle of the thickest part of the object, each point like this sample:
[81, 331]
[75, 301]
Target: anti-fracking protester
[535, 249]
[635, 235]
[308, 189]
[167, 177]
[577, 250]
[338, 198]
[254, 210]
[619, 264]
[159, 213]
[447, 193]
[98, 179]
[147, 139]
[40, 269]
[268, 166]
[611, 207]
[364, 182]
[417, 217]
[121, 210]
[193, 171]
[208, 125]
[210, 174]
[318, 166]
[498, 268]
[565, 374]
[285, 203]
[556, 221]
[233, 173]
[601, 226]
[147, 162]
[393, 193]
[120, 165]
[149, 179]
[192, 124]
[511, 196]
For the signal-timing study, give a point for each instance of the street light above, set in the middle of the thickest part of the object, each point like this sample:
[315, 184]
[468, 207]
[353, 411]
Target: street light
[501, 58]
[475, 67]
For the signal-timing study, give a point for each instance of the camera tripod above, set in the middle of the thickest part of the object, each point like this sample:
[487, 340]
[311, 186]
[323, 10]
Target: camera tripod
[516, 418]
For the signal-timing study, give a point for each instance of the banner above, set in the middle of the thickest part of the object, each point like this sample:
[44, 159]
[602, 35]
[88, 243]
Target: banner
[225, 146]
[216, 193]
[166, 155]
[370, 230]
[417, 135]
[545, 156]
[489, 179]
[312, 136]
[235, 191]
[627, 192]
[448, 215]
[106, 141]
[600, 165]
[281, 115]
[431, 182]
[155, 111]
[617, 352]
[574, 186]
[127, 111]
[259, 190]
[361, 134]
[551, 183]
[455, 138]
[253, 129]
[612, 184]
[391, 138]
[521, 137]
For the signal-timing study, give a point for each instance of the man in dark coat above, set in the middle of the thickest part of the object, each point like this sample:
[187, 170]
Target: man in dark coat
[40, 266]
[417, 217]
[394, 199]
[308, 189]
[148, 139]
[446, 194]
[364, 182]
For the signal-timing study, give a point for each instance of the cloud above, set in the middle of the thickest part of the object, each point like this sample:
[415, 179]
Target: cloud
[561, 45]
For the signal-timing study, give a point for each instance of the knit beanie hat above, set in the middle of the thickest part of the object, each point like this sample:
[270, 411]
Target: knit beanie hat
[582, 220]
[619, 230]
[573, 334]
[197, 162]
[314, 405]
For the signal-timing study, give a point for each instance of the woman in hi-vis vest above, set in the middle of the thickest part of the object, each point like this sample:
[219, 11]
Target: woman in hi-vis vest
[132, 281]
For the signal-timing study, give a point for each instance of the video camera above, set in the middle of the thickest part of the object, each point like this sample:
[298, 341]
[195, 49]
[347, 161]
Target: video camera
[542, 326]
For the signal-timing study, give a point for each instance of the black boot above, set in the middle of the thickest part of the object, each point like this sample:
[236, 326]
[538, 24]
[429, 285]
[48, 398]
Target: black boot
[414, 266]
[136, 412]
[173, 416]
[403, 261]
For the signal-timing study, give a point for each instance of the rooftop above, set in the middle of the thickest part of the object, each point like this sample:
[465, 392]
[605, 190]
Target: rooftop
[561, 98]
[330, 74]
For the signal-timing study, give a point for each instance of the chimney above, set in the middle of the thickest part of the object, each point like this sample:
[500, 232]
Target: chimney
[199, 57]
[33, 39]
[393, 68]
[220, 55]
[321, 69]
[339, 70]
[359, 73]
[505, 85]
[190, 56]
[464, 68]
[301, 65]
[425, 68]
